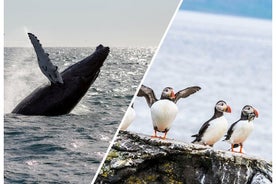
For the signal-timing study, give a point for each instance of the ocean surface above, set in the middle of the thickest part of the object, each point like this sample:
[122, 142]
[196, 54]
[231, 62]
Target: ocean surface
[67, 148]
[230, 58]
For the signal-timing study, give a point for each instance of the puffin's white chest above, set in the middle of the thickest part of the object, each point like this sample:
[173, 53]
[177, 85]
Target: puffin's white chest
[163, 113]
[130, 116]
[241, 131]
[215, 131]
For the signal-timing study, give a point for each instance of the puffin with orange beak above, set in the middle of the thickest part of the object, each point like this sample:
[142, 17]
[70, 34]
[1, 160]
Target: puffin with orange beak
[213, 129]
[164, 111]
[241, 129]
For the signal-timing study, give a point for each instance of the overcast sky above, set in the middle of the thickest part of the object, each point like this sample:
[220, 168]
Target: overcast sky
[87, 22]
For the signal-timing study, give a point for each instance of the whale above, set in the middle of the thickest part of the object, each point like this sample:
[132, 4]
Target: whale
[65, 89]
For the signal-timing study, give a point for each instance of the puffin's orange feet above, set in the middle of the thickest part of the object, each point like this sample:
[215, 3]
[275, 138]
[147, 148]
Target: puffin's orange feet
[154, 136]
[235, 151]
[241, 149]
[164, 137]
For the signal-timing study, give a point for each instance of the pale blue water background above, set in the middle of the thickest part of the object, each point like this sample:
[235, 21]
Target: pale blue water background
[254, 8]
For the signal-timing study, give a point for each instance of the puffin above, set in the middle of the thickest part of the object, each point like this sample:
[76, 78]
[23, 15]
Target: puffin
[215, 128]
[241, 129]
[164, 110]
[128, 119]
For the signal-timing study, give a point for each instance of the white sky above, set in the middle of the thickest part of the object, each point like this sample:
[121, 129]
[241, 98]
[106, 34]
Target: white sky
[87, 22]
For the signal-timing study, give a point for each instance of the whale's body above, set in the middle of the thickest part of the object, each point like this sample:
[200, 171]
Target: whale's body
[60, 98]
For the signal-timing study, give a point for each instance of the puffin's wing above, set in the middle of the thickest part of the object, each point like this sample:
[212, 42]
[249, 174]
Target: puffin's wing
[230, 131]
[186, 92]
[148, 93]
[44, 62]
[202, 130]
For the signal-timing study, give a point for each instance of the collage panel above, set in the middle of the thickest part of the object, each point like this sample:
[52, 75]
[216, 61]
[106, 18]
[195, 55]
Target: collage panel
[203, 113]
[71, 69]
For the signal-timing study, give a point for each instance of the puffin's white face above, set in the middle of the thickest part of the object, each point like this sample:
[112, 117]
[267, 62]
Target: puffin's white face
[168, 93]
[250, 112]
[222, 106]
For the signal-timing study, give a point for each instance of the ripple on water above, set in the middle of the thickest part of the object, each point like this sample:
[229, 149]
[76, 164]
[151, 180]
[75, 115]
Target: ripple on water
[68, 148]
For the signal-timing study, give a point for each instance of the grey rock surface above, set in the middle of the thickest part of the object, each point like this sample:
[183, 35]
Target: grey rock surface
[136, 158]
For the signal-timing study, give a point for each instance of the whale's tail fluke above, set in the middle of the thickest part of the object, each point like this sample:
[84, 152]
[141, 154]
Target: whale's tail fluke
[46, 66]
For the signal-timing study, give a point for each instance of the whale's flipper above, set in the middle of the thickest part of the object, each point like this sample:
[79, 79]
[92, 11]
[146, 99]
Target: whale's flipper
[44, 62]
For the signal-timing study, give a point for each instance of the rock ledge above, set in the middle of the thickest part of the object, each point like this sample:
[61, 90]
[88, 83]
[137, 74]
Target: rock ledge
[136, 158]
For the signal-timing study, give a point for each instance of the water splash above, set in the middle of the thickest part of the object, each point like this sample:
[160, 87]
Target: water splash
[21, 74]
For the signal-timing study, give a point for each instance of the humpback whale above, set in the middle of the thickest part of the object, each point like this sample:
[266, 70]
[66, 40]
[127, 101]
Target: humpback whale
[66, 88]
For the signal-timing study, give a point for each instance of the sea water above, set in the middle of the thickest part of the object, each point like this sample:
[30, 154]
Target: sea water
[67, 148]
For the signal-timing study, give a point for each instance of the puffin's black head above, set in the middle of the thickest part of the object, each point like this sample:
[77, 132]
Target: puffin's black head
[221, 106]
[249, 113]
[168, 93]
